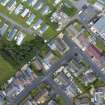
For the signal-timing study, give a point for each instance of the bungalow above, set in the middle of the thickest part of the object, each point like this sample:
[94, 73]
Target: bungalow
[32, 2]
[19, 9]
[2, 98]
[30, 19]
[39, 5]
[52, 102]
[4, 2]
[99, 28]
[75, 68]
[45, 10]
[38, 64]
[82, 100]
[12, 33]
[37, 24]
[3, 29]
[25, 13]
[87, 14]
[19, 38]
[44, 28]
[99, 6]
[88, 77]
[99, 96]
[11, 5]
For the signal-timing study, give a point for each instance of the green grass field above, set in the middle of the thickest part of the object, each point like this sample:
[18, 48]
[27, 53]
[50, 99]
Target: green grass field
[6, 70]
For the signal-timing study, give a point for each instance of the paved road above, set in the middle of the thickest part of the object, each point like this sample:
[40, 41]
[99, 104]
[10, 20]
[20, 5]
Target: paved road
[77, 50]
[67, 57]
[59, 91]
[26, 92]
[20, 27]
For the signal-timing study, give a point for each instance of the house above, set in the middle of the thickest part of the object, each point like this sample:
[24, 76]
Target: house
[82, 100]
[49, 60]
[3, 29]
[39, 5]
[52, 102]
[13, 90]
[72, 90]
[42, 97]
[99, 28]
[30, 19]
[101, 1]
[75, 68]
[45, 10]
[60, 18]
[25, 77]
[60, 45]
[2, 98]
[4, 2]
[32, 2]
[18, 9]
[99, 6]
[12, 33]
[88, 77]
[37, 24]
[11, 5]
[87, 14]
[99, 96]
[93, 52]
[56, 2]
[25, 13]
[44, 28]
[61, 79]
[19, 38]
[38, 64]
[83, 42]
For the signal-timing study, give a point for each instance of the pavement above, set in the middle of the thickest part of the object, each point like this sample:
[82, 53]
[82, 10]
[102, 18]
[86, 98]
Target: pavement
[59, 91]
[74, 49]
[20, 27]
[47, 77]
[77, 50]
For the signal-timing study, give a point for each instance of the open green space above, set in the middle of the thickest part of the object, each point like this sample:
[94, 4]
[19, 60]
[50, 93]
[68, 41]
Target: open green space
[77, 26]
[69, 10]
[86, 34]
[91, 1]
[51, 32]
[13, 57]
[100, 44]
[59, 100]
[19, 55]
[98, 83]
[6, 70]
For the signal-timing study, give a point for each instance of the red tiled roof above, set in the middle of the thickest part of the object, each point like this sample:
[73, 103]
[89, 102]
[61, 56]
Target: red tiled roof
[93, 52]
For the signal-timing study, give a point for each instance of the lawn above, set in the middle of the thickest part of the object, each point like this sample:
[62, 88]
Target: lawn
[100, 44]
[6, 70]
[86, 34]
[92, 1]
[59, 100]
[69, 10]
[98, 83]
[77, 26]
[15, 18]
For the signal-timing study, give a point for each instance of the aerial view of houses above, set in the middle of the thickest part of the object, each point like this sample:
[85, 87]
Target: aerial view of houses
[52, 52]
